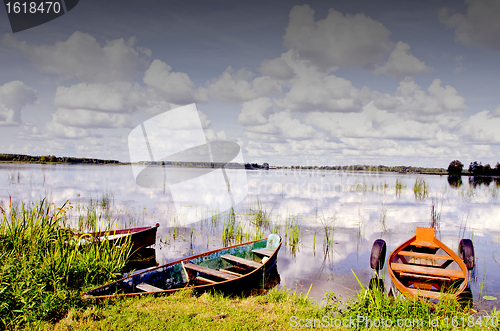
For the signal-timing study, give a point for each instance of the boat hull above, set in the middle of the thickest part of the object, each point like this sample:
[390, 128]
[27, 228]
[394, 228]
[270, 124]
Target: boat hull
[425, 267]
[140, 237]
[174, 276]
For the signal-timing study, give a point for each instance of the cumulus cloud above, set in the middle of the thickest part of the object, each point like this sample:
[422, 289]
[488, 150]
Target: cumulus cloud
[236, 86]
[481, 128]
[256, 112]
[109, 97]
[402, 63]
[81, 56]
[313, 90]
[338, 40]
[58, 130]
[174, 87]
[410, 99]
[479, 27]
[277, 69]
[14, 96]
[84, 118]
[285, 125]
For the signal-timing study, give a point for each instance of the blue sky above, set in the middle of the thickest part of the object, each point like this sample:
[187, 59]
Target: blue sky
[338, 82]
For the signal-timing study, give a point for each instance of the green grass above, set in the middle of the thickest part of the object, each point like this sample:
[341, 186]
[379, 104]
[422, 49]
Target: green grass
[43, 270]
[278, 309]
[400, 186]
[261, 218]
[185, 311]
[420, 189]
[231, 231]
[435, 214]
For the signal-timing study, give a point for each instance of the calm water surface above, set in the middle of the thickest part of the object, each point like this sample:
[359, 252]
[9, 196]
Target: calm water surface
[340, 214]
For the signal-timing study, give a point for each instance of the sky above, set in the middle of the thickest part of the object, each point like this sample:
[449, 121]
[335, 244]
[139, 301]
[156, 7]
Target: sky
[390, 82]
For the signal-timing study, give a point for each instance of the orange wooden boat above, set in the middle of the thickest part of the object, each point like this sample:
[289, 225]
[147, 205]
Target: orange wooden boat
[423, 266]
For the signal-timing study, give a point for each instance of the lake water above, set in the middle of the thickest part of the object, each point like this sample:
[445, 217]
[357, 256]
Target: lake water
[340, 214]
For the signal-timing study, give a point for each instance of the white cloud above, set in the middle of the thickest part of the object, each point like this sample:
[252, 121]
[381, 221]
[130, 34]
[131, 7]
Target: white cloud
[110, 97]
[447, 96]
[58, 130]
[14, 96]
[173, 87]
[402, 63]
[83, 118]
[236, 86]
[411, 100]
[285, 125]
[481, 128]
[311, 91]
[277, 69]
[496, 113]
[338, 40]
[82, 57]
[479, 27]
[256, 112]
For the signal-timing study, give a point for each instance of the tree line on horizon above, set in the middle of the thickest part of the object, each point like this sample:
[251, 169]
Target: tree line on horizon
[477, 169]
[52, 159]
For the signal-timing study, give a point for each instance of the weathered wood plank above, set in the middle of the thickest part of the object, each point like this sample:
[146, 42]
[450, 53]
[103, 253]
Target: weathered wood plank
[420, 243]
[231, 272]
[420, 276]
[263, 251]
[425, 255]
[148, 288]
[242, 261]
[205, 280]
[208, 271]
[400, 267]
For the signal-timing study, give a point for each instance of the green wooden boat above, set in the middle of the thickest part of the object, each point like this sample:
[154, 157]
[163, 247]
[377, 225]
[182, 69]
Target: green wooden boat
[228, 269]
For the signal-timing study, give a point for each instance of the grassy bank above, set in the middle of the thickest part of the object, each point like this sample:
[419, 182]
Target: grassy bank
[43, 269]
[276, 310]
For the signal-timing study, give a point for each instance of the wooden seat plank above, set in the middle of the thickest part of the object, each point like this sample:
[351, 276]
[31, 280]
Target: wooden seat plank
[425, 255]
[400, 267]
[420, 243]
[205, 280]
[263, 251]
[208, 271]
[427, 277]
[148, 288]
[231, 272]
[242, 261]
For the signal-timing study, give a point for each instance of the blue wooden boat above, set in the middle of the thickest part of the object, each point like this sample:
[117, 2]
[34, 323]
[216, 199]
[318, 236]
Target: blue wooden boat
[228, 269]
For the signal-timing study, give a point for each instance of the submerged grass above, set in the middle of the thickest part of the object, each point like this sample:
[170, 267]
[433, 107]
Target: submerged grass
[231, 230]
[400, 186]
[44, 269]
[420, 189]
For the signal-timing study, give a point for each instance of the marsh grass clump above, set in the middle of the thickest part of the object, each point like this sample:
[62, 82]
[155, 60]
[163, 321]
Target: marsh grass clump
[261, 218]
[400, 186]
[231, 230]
[44, 268]
[420, 189]
[435, 215]
[292, 233]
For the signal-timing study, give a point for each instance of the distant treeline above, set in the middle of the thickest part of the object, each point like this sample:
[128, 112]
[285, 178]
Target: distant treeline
[456, 167]
[52, 159]
[475, 169]
[380, 168]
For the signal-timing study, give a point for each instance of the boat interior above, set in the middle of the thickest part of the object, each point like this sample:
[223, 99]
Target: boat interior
[424, 268]
[205, 269]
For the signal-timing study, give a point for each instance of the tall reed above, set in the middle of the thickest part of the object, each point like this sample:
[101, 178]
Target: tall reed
[44, 268]
[420, 189]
